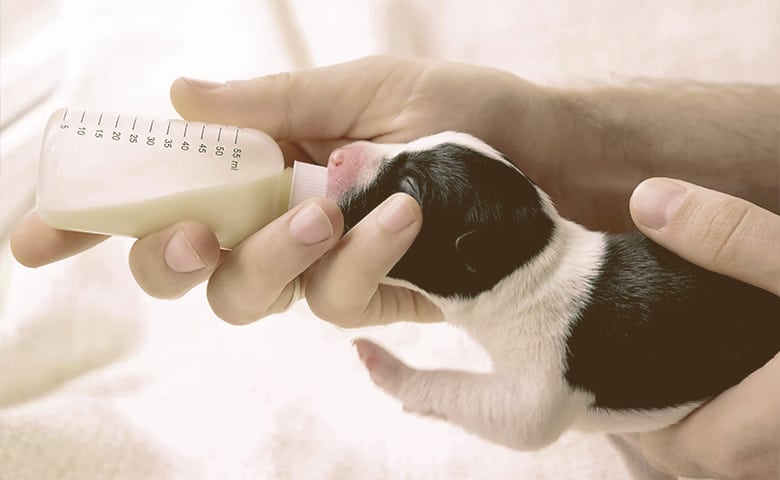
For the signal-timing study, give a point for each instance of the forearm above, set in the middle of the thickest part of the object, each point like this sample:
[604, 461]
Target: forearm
[726, 137]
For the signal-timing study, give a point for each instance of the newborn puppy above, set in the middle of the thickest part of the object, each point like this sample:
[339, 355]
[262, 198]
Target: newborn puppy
[585, 330]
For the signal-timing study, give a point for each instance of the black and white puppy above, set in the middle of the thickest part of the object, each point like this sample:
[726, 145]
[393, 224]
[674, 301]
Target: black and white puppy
[585, 330]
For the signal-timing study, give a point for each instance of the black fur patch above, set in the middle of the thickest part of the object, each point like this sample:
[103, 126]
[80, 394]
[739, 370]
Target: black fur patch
[659, 331]
[482, 219]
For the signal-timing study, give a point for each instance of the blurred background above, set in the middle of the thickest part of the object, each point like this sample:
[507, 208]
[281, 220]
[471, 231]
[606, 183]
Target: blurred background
[99, 381]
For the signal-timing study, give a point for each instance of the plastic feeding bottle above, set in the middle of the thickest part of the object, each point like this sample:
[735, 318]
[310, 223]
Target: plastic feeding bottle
[129, 175]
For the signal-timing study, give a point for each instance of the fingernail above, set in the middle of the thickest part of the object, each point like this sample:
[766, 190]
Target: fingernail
[396, 214]
[655, 200]
[180, 256]
[311, 225]
[206, 84]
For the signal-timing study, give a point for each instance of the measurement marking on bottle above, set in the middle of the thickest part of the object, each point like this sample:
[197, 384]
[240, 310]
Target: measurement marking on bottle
[168, 130]
[134, 121]
[185, 128]
[202, 131]
[100, 118]
[82, 116]
[219, 134]
[150, 126]
[236, 140]
[65, 115]
[117, 121]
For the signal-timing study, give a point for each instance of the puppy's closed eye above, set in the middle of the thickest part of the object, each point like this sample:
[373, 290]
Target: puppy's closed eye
[411, 186]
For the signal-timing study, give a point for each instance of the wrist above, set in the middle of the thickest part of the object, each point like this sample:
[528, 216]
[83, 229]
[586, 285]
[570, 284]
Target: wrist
[719, 136]
[609, 139]
[587, 156]
[532, 127]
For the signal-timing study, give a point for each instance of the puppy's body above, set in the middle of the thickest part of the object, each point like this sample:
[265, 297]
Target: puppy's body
[584, 329]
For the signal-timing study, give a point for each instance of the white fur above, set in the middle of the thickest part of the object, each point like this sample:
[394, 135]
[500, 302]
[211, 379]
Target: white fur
[374, 153]
[614, 421]
[457, 138]
[523, 323]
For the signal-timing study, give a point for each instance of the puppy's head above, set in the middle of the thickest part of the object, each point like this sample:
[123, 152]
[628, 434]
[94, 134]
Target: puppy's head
[482, 218]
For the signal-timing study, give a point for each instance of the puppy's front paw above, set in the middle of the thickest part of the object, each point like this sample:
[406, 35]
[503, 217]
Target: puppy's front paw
[396, 378]
[498, 408]
[386, 371]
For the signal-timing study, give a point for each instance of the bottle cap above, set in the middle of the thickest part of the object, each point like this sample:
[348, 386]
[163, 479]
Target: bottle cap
[308, 180]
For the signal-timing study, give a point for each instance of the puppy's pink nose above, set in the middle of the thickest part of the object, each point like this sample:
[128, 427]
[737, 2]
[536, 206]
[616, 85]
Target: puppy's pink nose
[344, 166]
[348, 155]
[336, 158]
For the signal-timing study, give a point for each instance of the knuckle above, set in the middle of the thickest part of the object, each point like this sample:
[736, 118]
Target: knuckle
[284, 82]
[218, 307]
[232, 306]
[725, 231]
[341, 314]
[324, 311]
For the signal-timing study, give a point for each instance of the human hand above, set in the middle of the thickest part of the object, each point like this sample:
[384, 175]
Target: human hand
[310, 114]
[737, 434]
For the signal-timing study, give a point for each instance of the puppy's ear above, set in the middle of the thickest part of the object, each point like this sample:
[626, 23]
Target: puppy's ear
[500, 249]
[486, 250]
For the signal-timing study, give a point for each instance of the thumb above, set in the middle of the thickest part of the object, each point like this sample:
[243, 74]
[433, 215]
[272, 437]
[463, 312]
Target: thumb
[714, 230]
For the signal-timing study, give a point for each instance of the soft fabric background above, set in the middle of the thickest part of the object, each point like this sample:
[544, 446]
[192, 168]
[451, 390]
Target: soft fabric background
[99, 381]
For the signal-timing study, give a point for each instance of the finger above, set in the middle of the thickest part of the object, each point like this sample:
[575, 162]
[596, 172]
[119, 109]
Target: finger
[322, 103]
[168, 263]
[255, 279]
[736, 435]
[344, 287]
[719, 232]
[34, 243]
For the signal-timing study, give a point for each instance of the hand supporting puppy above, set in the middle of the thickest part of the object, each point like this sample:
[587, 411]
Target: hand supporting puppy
[737, 434]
